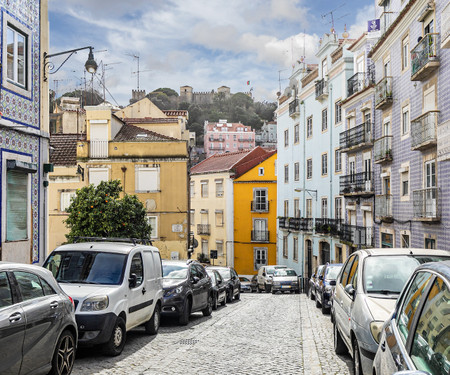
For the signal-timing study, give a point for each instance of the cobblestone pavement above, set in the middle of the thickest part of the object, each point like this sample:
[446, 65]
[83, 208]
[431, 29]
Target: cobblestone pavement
[261, 333]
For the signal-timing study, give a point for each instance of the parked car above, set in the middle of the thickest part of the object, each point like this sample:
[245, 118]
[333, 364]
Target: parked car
[325, 286]
[254, 283]
[416, 337]
[365, 295]
[187, 289]
[313, 281]
[232, 279]
[285, 280]
[265, 277]
[116, 286]
[219, 287]
[245, 284]
[38, 331]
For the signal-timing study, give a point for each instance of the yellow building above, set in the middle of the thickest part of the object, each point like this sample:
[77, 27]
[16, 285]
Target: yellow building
[255, 217]
[149, 165]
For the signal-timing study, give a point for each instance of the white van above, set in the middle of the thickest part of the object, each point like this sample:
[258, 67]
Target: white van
[116, 286]
[264, 277]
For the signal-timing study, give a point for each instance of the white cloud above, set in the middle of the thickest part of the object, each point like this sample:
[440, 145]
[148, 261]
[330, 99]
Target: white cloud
[362, 16]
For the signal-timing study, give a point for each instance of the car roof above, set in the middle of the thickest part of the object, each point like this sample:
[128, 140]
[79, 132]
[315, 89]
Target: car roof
[218, 268]
[110, 247]
[442, 267]
[41, 271]
[404, 251]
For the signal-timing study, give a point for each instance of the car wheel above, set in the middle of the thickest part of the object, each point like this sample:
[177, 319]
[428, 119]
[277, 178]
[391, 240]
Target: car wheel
[116, 342]
[339, 345]
[357, 370]
[64, 355]
[152, 326]
[183, 319]
[224, 301]
[230, 295]
[237, 297]
[325, 310]
[258, 289]
[215, 303]
[267, 288]
[297, 291]
[208, 309]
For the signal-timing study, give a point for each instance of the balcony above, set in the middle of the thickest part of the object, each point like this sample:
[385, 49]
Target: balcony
[321, 89]
[283, 222]
[328, 226]
[383, 93]
[427, 204]
[383, 207]
[356, 235]
[98, 149]
[260, 236]
[359, 82]
[204, 229]
[382, 149]
[424, 130]
[356, 184]
[259, 206]
[424, 57]
[445, 27]
[294, 108]
[357, 137]
[212, 148]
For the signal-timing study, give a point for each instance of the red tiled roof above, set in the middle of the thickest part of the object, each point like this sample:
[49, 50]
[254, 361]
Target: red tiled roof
[129, 133]
[172, 112]
[356, 41]
[64, 148]
[150, 120]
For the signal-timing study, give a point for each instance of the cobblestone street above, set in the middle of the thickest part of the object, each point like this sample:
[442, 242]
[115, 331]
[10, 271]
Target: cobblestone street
[262, 333]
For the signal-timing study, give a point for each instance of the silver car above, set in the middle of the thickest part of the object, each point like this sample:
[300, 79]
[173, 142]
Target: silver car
[365, 295]
[38, 332]
[285, 280]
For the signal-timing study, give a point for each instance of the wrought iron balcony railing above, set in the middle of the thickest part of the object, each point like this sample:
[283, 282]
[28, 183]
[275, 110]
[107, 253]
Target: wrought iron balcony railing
[260, 206]
[328, 226]
[427, 204]
[283, 222]
[423, 130]
[424, 57]
[357, 235]
[382, 149]
[203, 229]
[383, 207]
[356, 137]
[359, 81]
[383, 93]
[321, 89]
[294, 108]
[356, 184]
[260, 236]
[216, 148]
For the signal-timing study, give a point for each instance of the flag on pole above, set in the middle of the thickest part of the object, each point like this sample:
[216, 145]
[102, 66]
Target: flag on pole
[248, 83]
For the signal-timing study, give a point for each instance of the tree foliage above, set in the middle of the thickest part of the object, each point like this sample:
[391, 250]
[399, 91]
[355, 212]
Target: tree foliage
[98, 211]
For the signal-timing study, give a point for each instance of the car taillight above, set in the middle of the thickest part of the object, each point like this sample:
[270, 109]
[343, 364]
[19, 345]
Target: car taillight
[71, 300]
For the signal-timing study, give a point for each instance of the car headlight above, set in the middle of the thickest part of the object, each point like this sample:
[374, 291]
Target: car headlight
[375, 328]
[276, 283]
[173, 291]
[95, 303]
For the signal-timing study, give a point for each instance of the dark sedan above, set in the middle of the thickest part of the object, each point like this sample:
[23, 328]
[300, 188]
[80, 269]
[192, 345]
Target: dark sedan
[313, 282]
[232, 279]
[219, 287]
[325, 286]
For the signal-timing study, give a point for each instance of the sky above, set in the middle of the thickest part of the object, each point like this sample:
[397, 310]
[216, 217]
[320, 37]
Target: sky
[243, 44]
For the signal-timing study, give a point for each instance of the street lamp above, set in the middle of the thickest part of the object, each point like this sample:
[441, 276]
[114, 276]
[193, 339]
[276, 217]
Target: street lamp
[309, 191]
[90, 65]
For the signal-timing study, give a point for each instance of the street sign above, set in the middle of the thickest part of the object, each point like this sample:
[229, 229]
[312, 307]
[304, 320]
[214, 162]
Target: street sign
[213, 254]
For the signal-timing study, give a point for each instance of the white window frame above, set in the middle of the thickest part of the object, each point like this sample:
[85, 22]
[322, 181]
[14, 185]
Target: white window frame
[93, 170]
[256, 251]
[204, 192]
[324, 119]
[296, 133]
[324, 159]
[309, 169]
[324, 208]
[261, 171]
[286, 138]
[286, 173]
[219, 188]
[296, 171]
[309, 127]
[405, 109]
[218, 218]
[154, 232]
[66, 199]
[139, 171]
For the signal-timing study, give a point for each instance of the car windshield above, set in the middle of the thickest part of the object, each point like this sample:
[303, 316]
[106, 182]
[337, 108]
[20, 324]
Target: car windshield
[174, 271]
[283, 272]
[388, 274]
[241, 278]
[225, 273]
[332, 272]
[87, 267]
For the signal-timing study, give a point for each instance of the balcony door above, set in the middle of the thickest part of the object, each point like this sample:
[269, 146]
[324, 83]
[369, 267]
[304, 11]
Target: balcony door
[368, 224]
[260, 228]
[352, 168]
[430, 184]
[367, 156]
[98, 140]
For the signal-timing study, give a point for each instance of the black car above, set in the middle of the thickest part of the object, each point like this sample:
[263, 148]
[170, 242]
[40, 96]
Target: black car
[254, 283]
[187, 289]
[232, 279]
[325, 286]
[313, 282]
[219, 287]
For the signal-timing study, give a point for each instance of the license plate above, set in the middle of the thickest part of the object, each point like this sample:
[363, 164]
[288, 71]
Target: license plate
[285, 286]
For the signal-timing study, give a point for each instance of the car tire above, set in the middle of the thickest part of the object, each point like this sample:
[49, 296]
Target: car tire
[215, 303]
[230, 295]
[297, 291]
[258, 289]
[64, 355]
[208, 309]
[116, 342]
[224, 301]
[183, 319]
[237, 297]
[339, 345]
[267, 288]
[152, 325]
[325, 310]
[357, 370]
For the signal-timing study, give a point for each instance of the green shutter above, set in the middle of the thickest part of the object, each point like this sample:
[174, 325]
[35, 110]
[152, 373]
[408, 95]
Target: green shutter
[16, 206]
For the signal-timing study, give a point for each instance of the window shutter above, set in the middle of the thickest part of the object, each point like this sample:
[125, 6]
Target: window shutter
[147, 179]
[17, 206]
[97, 175]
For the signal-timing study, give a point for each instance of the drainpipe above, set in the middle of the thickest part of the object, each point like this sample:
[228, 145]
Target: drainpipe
[304, 186]
[331, 159]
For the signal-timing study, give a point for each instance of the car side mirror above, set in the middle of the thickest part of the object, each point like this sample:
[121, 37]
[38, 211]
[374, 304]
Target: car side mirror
[195, 280]
[264, 274]
[332, 282]
[350, 290]
[132, 280]
[411, 372]
[218, 282]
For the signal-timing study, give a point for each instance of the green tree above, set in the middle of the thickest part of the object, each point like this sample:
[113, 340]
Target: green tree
[167, 91]
[98, 211]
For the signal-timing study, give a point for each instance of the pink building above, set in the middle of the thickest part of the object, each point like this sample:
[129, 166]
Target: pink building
[223, 137]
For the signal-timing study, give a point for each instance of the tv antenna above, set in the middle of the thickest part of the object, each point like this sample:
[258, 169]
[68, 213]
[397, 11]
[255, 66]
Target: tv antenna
[279, 79]
[330, 13]
[103, 80]
[138, 71]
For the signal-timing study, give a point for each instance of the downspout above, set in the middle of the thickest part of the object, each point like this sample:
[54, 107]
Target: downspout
[331, 161]
[304, 185]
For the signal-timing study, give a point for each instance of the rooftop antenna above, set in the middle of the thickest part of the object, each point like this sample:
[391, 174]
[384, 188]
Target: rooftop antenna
[279, 79]
[138, 71]
[330, 13]
[104, 67]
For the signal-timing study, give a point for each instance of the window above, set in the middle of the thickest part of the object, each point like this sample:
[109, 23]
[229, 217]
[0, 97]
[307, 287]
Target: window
[324, 208]
[219, 247]
[346, 272]
[337, 161]
[309, 127]
[17, 65]
[219, 218]
[219, 188]
[261, 171]
[338, 112]
[404, 240]
[296, 207]
[286, 138]
[295, 249]
[205, 248]
[286, 208]
[97, 175]
[309, 169]
[308, 207]
[260, 200]
[29, 285]
[338, 208]
[153, 221]
[5, 291]
[324, 119]
[66, 199]
[296, 171]
[17, 198]
[204, 189]
[324, 164]
[192, 189]
[286, 173]
[405, 53]
[404, 178]
[147, 179]
[405, 120]
[285, 246]
[296, 133]
[430, 243]
[260, 257]
[192, 219]
[387, 240]
[137, 267]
